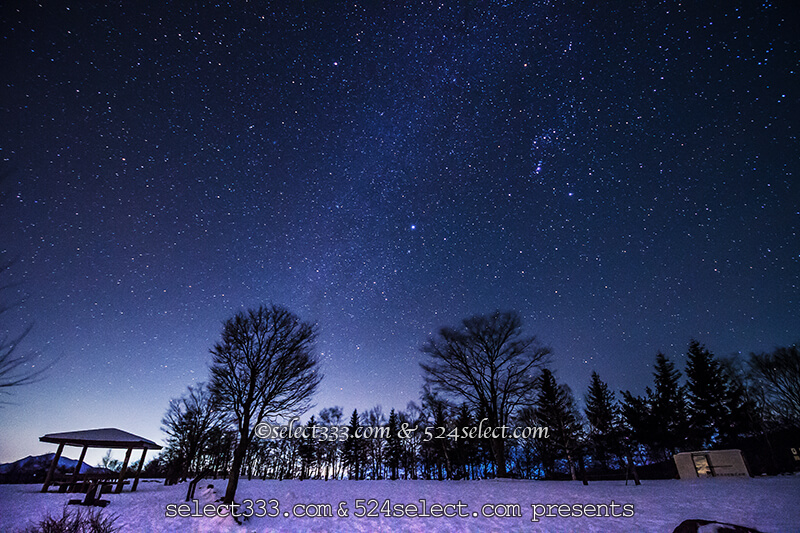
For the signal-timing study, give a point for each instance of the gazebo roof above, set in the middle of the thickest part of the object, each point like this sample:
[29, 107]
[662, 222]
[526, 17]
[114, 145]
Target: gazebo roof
[101, 438]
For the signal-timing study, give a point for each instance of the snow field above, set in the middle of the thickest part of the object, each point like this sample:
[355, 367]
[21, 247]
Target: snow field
[769, 504]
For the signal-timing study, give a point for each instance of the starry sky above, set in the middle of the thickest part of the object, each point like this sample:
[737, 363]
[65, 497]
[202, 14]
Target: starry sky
[622, 174]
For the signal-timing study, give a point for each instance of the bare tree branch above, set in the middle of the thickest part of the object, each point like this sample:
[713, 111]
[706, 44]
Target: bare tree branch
[17, 367]
[263, 368]
[779, 374]
[489, 364]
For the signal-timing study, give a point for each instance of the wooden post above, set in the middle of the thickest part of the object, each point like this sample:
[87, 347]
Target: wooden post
[80, 463]
[139, 470]
[123, 471]
[77, 471]
[49, 477]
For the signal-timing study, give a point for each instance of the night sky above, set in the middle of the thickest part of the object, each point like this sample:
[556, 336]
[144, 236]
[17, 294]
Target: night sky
[624, 176]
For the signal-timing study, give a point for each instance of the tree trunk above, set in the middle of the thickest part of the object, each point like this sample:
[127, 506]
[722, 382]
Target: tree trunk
[571, 464]
[582, 469]
[448, 467]
[499, 452]
[233, 478]
[632, 469]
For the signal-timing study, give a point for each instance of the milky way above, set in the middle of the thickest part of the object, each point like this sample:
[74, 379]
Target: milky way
[623, 177]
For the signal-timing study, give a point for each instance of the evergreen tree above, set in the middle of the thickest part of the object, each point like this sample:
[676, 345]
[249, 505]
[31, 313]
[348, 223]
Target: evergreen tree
[602, 414]
[635, 428]
[308, 451]
[532, 456]
[353, 450]
[636, 419]
[667, 407]
[706, 393]
[394, 448]
[555, 409]
[374, 447]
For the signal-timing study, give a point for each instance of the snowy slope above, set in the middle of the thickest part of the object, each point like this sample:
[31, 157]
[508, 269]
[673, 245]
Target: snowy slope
[769, 504]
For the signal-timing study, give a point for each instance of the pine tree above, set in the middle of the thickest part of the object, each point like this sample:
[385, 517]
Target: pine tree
[602, 414]
[373, 448]
[353, 452]
[528, 458]
[706, 393]
[394, 448]
[308, 452]
[667, 407]
[555, 409]
[636, 419]
[635, 428]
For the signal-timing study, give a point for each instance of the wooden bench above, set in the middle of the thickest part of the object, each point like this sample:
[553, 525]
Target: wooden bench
[91, 497]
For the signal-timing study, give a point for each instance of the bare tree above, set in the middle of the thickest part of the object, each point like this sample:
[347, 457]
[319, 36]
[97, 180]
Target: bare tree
[263, 368]
[188, 422]
[488, 363]
[779, 374]
[16, 367]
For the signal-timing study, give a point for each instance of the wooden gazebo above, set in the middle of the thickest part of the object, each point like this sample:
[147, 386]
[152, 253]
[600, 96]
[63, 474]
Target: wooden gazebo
[109, 438]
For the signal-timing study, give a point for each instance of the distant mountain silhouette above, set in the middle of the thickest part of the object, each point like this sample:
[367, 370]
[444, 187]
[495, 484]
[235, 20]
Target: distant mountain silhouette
[33, 469]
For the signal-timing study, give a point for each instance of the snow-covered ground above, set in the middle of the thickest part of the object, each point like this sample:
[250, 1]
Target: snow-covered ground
[769, 504]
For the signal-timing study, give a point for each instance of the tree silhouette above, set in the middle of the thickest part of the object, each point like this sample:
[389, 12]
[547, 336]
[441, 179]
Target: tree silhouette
[488, 363]
[308, 451]
[187, 423]
[394, 448]
[602, 414]
[353, 449]
[667, 402]
[330, 450]
[262, 369]
[706, 394]
[779, 375]
[16, 367]
[743, 416]
[556, 410]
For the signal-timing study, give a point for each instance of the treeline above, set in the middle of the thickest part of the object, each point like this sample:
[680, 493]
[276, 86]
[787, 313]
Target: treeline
[749, 403]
